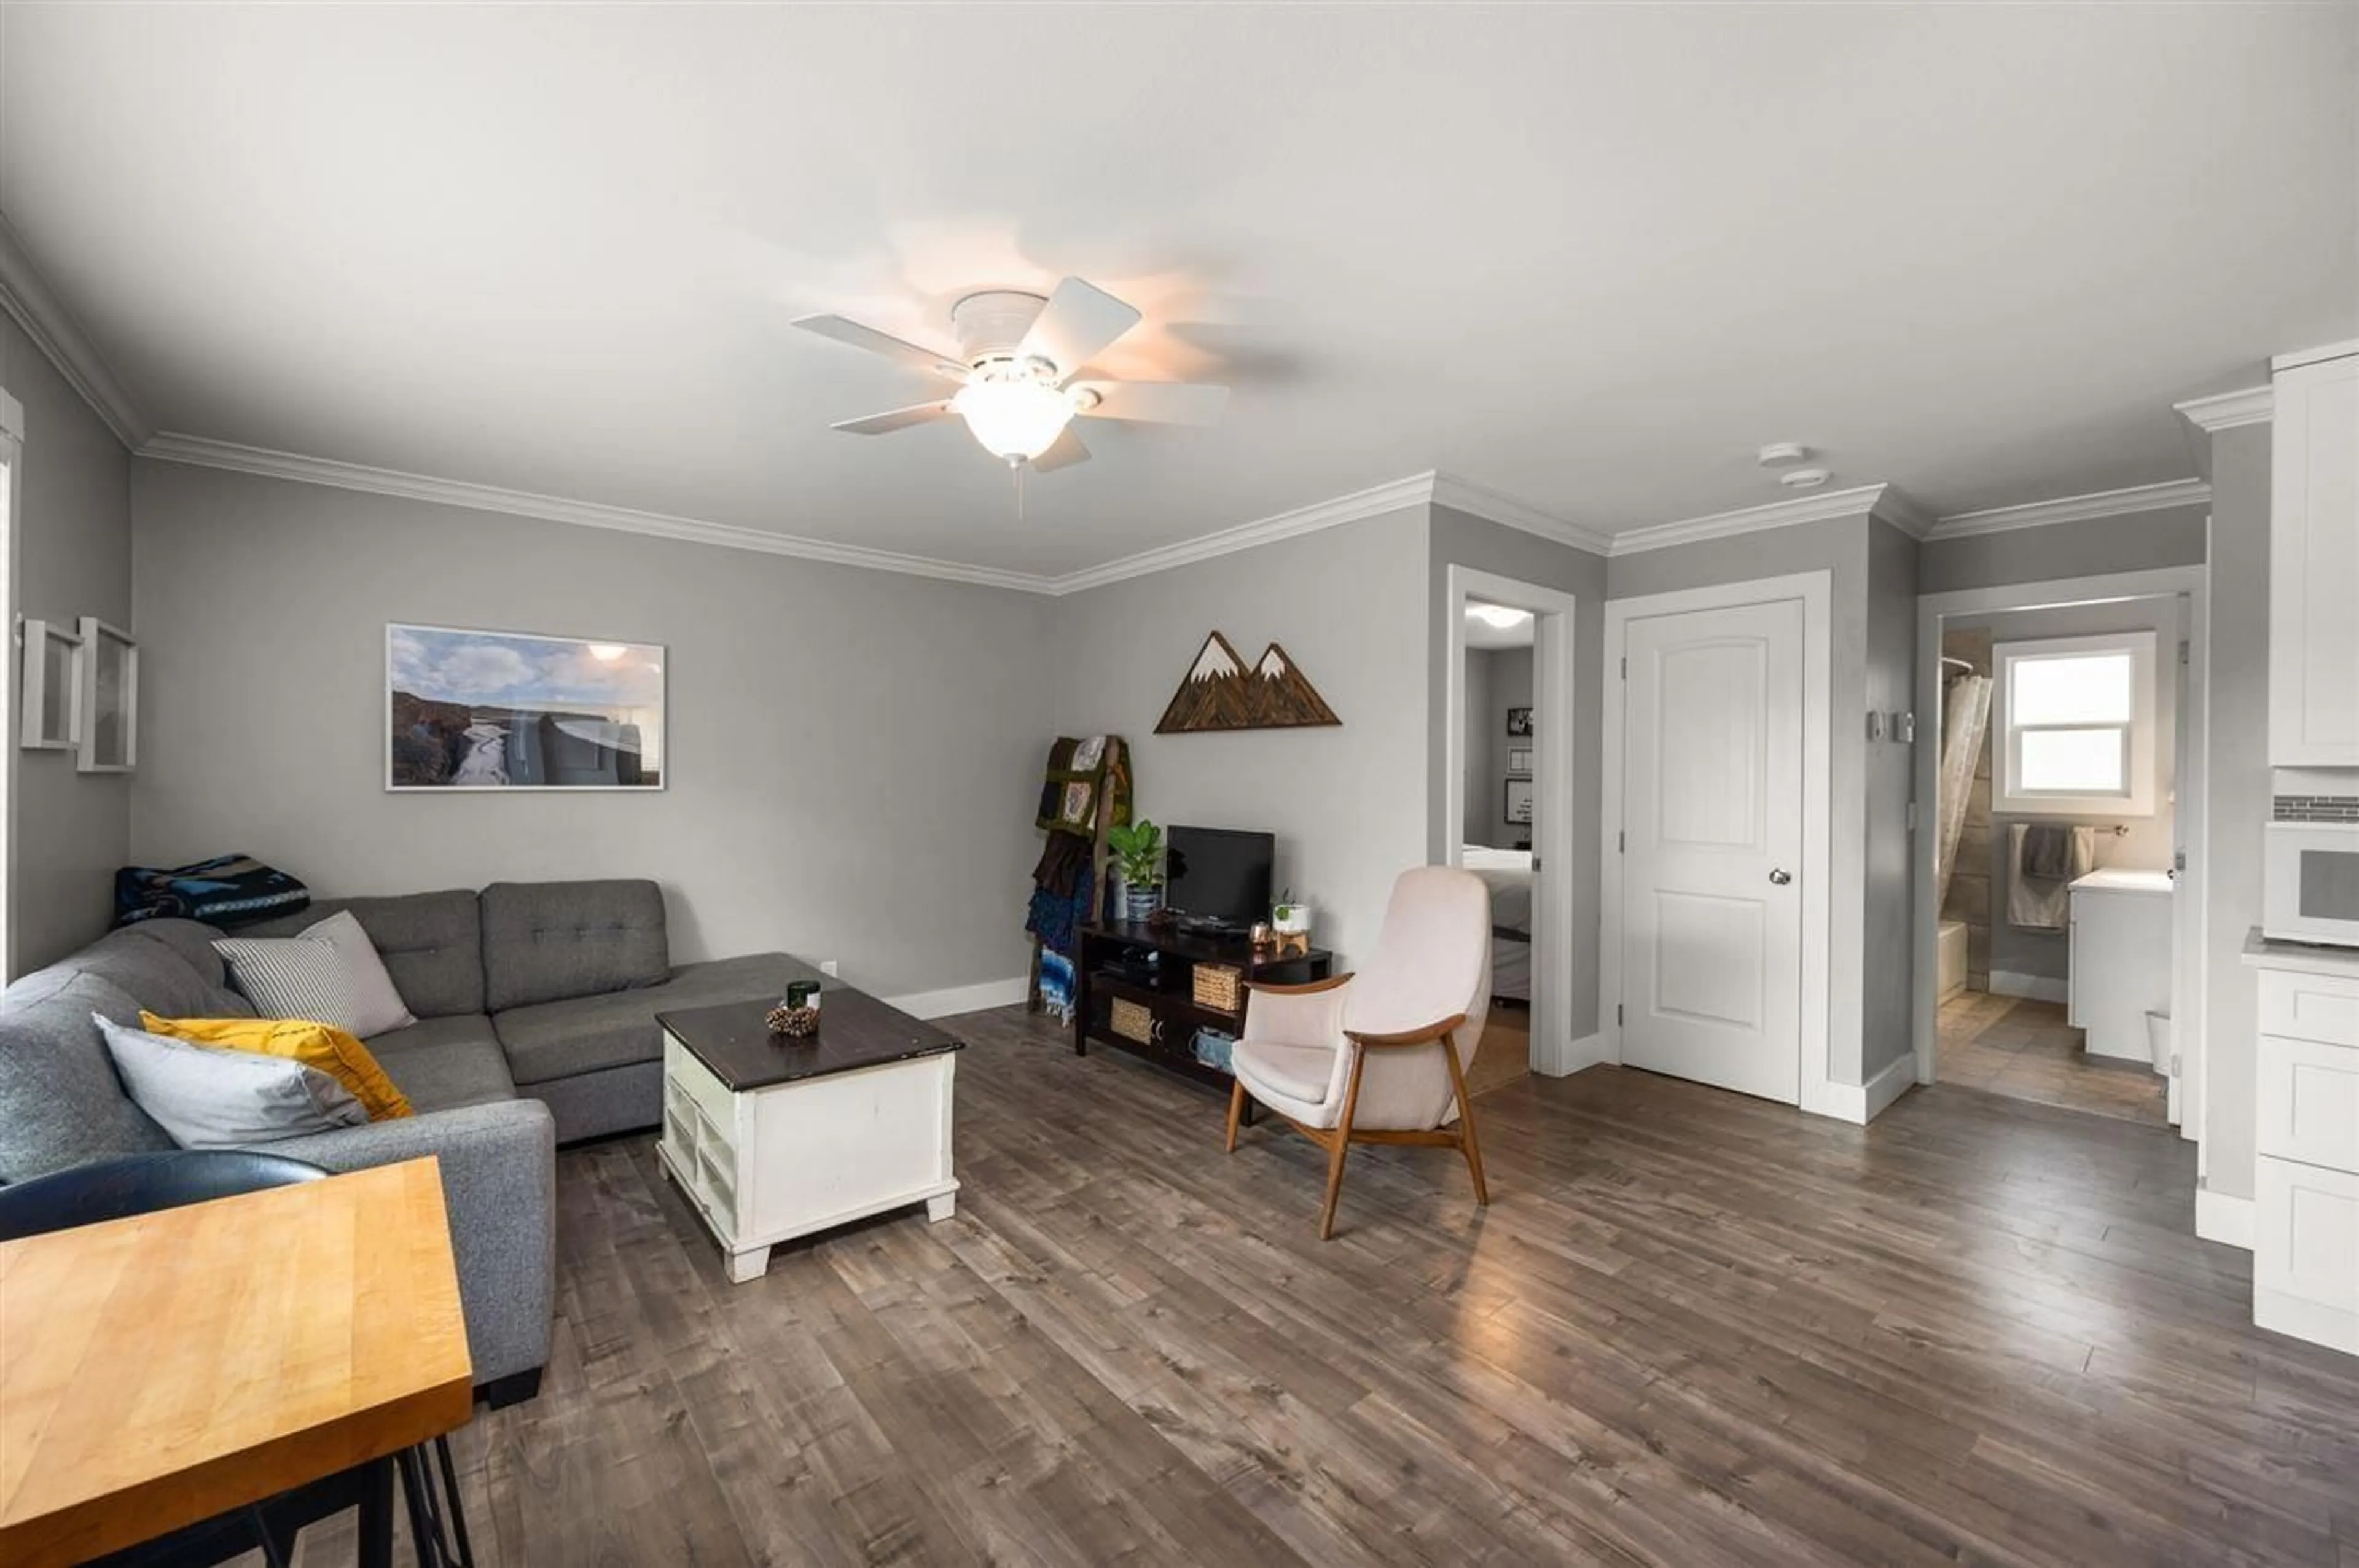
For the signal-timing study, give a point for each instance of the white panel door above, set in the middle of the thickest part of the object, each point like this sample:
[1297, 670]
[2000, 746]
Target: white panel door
[1712, 981]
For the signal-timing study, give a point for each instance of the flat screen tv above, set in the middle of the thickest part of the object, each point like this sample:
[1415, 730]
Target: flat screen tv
[1218, 876]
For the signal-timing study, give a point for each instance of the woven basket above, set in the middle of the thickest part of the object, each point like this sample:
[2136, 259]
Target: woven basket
[1217, 986]
[1132, 1022]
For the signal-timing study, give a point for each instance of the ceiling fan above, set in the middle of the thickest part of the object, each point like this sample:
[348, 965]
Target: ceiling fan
[1018, 358]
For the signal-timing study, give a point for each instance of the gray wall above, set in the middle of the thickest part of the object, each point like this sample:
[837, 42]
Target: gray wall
[73, 559]
[855, 756]
[2138, 542]
[1347, 803]
[2236, 803]
[1458, 538]
[2148, 845]
[1891, 675]
[1838, 546]
[1512, 671]
[1476, 775]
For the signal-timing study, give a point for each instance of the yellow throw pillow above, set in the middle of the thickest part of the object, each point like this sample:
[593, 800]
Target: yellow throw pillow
[318, 1045]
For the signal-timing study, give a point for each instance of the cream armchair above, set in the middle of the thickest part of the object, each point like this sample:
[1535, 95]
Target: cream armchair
[1380, 1056]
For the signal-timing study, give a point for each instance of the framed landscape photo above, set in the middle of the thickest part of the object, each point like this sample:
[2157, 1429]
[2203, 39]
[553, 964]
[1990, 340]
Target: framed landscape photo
[483, 710]
[1519, 721]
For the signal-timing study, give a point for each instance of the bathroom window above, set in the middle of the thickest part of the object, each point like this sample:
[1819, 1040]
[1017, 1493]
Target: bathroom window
[2076, 723]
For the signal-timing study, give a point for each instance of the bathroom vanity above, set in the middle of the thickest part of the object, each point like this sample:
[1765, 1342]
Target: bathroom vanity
[2120, 963]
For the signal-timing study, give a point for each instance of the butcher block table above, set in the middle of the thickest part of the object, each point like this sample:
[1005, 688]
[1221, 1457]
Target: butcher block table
[160, 1370]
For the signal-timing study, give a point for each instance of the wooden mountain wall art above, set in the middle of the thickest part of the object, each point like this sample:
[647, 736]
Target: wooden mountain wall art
[1221, 693]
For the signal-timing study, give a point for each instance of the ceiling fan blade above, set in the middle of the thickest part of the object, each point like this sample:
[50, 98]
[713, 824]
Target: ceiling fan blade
[1155, 402]
[876, 342]
[1079, 320]
[1062, 453]
[894, 419]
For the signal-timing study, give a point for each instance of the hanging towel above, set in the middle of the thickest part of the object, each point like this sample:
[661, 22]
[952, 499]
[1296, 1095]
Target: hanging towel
[2042, 860]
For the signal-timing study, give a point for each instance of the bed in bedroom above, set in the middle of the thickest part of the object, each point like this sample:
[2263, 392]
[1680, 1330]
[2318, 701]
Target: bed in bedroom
[1508, 873]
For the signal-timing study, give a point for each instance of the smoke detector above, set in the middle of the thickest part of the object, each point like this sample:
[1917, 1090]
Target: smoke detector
[1804, 479]
[1783, 454]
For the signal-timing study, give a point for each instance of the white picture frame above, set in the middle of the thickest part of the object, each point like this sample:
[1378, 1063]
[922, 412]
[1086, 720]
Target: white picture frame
[50, 695]
[479, 712]
[109, 704]
[1520, 760]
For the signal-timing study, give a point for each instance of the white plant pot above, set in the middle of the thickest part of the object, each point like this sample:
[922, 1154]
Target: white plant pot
[1294, 921]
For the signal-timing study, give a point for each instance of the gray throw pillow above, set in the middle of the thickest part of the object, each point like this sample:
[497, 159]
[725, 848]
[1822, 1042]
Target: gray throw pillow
[377, 1007]
[207, 1098]
[293, 976]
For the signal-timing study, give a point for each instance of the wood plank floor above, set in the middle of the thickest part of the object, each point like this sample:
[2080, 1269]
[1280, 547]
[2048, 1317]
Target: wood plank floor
[2025, 1050]
[1691, 1329]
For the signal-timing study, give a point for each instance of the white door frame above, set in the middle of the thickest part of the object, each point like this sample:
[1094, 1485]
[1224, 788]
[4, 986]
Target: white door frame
[1552, 701]
[1815, 589]
[2188, 983]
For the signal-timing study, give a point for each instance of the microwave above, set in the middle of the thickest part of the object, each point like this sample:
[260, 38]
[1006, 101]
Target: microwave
[2310, 883]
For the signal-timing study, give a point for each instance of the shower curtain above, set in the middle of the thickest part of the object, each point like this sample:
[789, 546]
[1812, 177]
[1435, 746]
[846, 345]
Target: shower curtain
[1965, 710]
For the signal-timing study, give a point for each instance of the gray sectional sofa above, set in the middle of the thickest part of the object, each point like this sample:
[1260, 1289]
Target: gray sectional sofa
[535, 1006]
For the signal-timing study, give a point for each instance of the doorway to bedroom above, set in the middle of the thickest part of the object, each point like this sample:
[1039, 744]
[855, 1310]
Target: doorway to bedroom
[1507, 809]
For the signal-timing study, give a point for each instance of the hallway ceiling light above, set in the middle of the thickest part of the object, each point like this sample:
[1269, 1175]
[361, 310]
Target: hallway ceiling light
[1498, 615]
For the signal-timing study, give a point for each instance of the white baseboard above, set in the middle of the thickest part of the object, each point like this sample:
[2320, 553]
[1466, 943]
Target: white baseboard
[2219, 1217]
[1862, 1103]
[1588, 1051]
[2038, 987]
[961, 999]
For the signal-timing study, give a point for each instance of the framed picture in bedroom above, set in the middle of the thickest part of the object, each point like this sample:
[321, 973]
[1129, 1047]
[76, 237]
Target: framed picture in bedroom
[1519, 722]
[1520, 760]
[1520, 800]
[518, 710]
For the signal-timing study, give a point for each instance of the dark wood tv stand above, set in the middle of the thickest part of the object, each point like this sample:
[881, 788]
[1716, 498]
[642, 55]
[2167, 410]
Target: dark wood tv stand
[1172, 1000]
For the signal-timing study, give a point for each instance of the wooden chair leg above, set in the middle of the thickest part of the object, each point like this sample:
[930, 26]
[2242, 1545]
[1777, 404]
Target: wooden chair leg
[1467, 1141]
[1236, 1110]
[1341, 1147]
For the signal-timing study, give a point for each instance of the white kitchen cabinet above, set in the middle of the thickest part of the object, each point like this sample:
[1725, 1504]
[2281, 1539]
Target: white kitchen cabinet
[2314, 563]
[2120, 960]
[2306, 1178]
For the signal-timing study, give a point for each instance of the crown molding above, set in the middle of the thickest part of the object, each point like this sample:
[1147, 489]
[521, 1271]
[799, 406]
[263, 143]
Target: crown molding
[2311, 356]
[1476, 500]
[26, 296]
[2074, 509]
[2228, 410]
[1871, 500]
[201, 452]
[1392, 496]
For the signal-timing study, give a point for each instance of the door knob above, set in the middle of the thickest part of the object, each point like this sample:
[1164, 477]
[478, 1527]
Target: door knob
[1780, 876]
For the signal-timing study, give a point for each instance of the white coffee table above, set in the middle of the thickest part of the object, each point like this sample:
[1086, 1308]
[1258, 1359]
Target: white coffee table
[773, 1138]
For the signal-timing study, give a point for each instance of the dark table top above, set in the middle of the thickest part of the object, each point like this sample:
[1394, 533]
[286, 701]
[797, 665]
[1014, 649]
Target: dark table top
[1199, 946]
[855, 1030]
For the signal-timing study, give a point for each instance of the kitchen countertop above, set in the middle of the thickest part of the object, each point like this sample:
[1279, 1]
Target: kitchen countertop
[2303, 957]
[2120, 879]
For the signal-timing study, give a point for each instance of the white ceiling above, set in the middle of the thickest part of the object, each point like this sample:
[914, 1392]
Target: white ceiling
[1587, 256]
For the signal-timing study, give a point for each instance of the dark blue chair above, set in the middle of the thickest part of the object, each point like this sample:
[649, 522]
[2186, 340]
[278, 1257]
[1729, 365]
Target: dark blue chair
[147, 1183]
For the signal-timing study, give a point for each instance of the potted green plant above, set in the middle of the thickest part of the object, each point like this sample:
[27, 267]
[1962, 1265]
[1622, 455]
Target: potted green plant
[1138, 861]
[1289, 917]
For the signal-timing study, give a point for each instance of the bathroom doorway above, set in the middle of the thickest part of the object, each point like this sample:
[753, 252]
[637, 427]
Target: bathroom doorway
[2058, 903]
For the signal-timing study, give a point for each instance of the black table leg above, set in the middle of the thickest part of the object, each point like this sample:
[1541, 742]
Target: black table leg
[376, 1514]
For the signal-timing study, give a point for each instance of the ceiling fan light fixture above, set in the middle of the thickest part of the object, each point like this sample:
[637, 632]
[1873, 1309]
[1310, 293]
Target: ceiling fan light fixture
[1015, 418]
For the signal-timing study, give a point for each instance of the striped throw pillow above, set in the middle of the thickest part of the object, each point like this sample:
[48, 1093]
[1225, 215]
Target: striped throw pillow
[291, 977]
